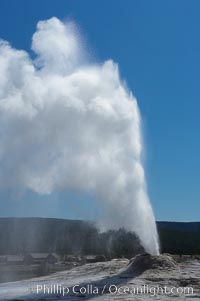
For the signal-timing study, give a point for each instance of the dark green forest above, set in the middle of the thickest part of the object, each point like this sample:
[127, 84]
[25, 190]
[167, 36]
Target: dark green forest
[179, 238]
[24, 235]
[48, 235]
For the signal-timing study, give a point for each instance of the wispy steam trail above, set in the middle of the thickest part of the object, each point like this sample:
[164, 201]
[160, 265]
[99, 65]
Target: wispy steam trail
[68, 124]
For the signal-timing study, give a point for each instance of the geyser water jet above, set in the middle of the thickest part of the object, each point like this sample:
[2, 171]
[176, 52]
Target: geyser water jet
[69, 124]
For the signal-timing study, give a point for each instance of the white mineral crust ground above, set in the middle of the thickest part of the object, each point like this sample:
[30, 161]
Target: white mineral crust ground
[108, 273]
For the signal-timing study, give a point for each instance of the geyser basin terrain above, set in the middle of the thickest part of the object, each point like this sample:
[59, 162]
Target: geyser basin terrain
[182, 283]
[68, 124]
[143, 262]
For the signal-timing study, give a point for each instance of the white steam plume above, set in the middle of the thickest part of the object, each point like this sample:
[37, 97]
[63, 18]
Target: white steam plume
[67, 124]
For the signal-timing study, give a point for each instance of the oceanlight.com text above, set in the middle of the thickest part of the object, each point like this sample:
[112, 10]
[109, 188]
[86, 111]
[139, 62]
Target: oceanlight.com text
[90, 289]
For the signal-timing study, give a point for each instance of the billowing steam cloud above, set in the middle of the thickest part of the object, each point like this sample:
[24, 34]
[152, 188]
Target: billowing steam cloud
[66, 124]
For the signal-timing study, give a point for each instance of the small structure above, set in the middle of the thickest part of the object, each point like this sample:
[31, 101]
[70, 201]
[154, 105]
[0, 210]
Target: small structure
[52, 258]
[3, 259]
[72, 258]
[14, 259]
[94, 258]
[38, 258]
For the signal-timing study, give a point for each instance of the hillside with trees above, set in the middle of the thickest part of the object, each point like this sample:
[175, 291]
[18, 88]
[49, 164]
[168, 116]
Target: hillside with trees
[48, 235]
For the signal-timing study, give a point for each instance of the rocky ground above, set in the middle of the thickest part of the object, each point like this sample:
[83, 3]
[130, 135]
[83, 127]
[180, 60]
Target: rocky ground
[145, 278]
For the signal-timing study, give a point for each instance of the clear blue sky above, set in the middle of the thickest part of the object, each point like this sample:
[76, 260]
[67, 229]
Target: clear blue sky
[157, 46]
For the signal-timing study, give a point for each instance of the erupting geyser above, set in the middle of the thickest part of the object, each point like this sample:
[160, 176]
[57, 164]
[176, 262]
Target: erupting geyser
[68, 124]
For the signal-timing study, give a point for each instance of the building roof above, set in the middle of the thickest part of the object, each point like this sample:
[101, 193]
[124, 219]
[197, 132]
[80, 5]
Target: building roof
[90, 256]
[39, 255]
[14, 258]
[2, 257]
[42, 255]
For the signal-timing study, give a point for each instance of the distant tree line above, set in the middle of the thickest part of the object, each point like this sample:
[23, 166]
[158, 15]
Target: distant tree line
[179, 242]
[181, 238]
[25, 235]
